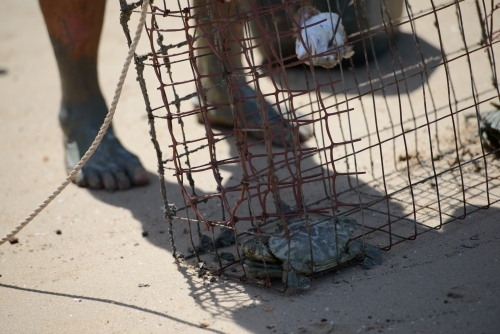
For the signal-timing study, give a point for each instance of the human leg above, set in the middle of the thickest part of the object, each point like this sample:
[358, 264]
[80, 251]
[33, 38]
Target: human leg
[249, 103]
[74, 28]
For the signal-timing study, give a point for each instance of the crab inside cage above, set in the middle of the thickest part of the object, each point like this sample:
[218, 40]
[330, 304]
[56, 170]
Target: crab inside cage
[294, 137]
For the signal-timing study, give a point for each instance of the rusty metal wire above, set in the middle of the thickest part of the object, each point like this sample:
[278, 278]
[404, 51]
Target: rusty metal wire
[394, 143]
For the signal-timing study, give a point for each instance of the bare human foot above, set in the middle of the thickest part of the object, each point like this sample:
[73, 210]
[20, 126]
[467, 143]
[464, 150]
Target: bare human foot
[74, 28]
[251, 116]
[111, 166]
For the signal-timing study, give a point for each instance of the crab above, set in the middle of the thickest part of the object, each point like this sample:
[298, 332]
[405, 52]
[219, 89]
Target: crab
[489, 128]
[314, 245]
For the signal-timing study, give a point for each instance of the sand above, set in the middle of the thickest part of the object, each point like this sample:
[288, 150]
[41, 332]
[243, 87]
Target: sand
[83, 265]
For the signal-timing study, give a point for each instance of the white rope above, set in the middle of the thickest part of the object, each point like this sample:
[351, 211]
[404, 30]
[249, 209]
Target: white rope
[102, 131]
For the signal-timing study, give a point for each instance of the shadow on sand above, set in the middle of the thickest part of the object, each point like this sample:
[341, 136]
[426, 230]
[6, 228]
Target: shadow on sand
[147, 206]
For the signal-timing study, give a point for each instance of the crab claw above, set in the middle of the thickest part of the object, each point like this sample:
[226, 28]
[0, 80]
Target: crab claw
[369, 254]
[293, 280]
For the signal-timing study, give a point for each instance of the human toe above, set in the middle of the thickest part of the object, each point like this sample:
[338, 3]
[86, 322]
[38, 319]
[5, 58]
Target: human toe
[136, 173]
[123, 182]
[93, 179]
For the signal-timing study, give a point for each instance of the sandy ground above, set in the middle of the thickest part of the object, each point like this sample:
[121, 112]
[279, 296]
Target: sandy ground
[88, 277]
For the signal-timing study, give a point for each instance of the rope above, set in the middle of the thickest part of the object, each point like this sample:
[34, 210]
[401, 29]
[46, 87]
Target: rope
[100, 135]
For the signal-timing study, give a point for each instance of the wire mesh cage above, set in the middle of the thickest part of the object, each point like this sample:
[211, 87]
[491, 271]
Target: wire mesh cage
[305, 168]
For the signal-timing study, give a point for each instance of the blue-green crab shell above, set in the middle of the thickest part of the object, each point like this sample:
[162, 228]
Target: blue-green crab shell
[314, 245]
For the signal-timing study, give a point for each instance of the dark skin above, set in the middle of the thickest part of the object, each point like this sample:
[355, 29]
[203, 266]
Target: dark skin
[210, 67]
[75, 28]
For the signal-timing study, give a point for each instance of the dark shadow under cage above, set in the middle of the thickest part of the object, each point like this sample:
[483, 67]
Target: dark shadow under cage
[255, 139]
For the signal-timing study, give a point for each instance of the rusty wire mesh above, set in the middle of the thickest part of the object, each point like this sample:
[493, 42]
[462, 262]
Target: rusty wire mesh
[395, 140]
